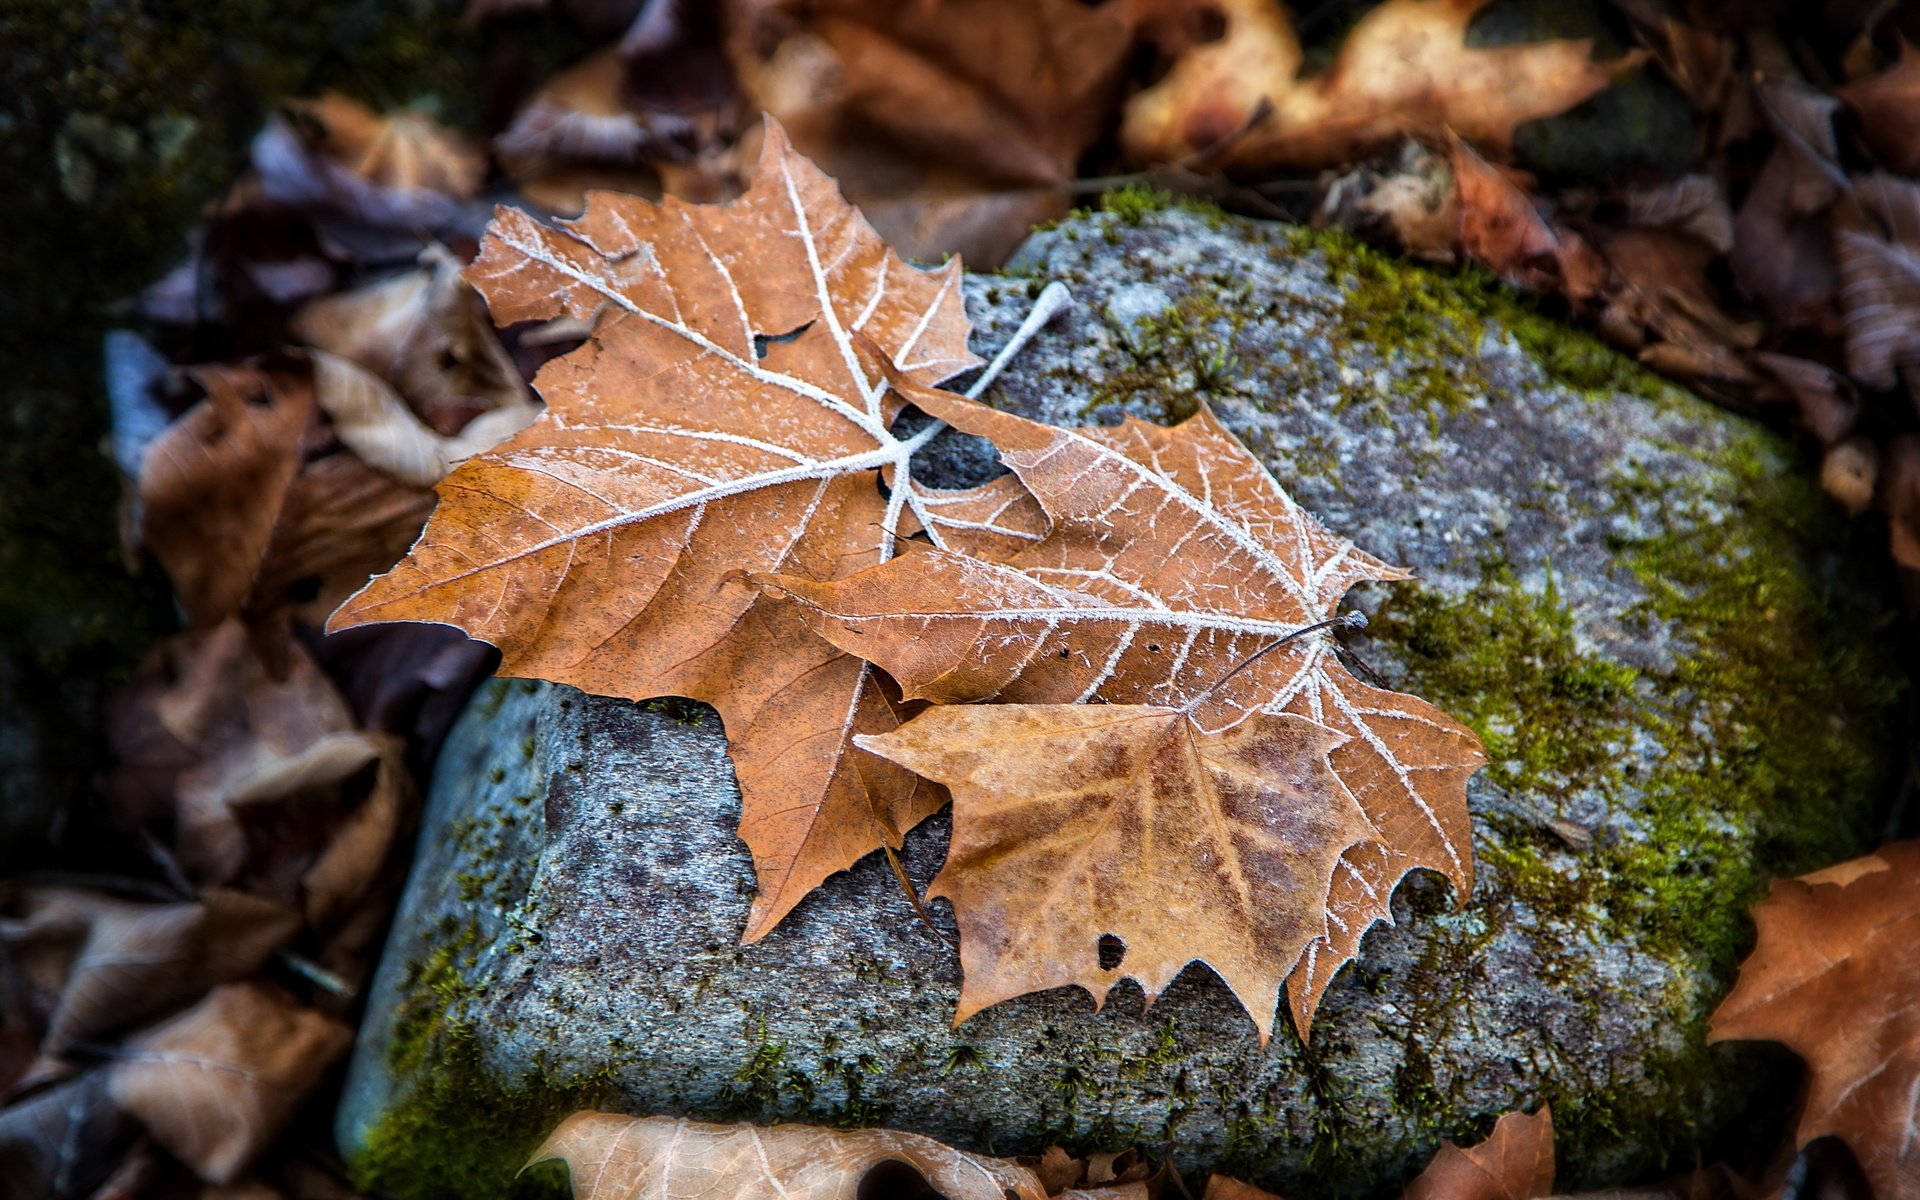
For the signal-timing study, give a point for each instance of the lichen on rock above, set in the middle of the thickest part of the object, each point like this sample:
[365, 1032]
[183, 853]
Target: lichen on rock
[1635, 599]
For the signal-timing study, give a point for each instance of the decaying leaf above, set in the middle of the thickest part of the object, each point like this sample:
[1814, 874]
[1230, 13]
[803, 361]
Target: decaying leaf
[952, 123]
[1877, 245]
[215, 1084]
[626, 1158]
[1173, 560]
[1074, 822]
[1405, 69]
[1514, 1163]
[63, 1141]
[1834, 976]
[723, 418]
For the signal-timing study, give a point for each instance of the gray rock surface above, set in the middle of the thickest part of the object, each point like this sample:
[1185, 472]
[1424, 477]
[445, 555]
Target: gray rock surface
[1632, 596]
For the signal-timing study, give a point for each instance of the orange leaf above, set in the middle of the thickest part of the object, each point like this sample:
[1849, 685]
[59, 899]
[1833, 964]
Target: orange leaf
[1514, 1163]
[1405, 69]
[728, 414]
[1834, 976]
[1173, 559]
[1074, 821]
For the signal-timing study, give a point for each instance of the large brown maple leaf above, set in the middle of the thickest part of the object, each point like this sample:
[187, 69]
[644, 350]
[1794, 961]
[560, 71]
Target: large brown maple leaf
[729, 413]
[1173, 565]
[1835, 976]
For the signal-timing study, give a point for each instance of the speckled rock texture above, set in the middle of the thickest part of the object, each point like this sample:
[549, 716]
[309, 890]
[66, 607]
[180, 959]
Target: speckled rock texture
[1633, 597]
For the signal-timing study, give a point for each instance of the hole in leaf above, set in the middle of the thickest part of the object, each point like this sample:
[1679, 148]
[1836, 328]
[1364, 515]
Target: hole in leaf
[1113, 952]
[762, 340]
[1154, 647]
[1064, 652]
[895, 1180]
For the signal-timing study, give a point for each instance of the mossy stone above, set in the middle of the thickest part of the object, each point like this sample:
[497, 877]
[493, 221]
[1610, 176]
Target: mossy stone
[1638, 601]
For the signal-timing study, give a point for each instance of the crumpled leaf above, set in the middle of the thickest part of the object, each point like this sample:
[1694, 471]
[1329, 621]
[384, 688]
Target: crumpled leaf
[1833, 976]
[600, 546]
[374, 423]
[426, 332]
[1076, 821]
[952, 123]
[216, 1084]
[1514, 1163]
[625, 1158]
[1173, 558]
[1404, 70]
[1781, 253]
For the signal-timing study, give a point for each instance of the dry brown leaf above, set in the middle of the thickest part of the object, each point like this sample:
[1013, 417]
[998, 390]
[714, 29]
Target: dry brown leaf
[213, 485]
[1173, 558]
[940, 118]
[1405, 69]
[426, 332]
[216, 1084]
[1833, 976]
[1500, 226]
[1781, 254]
[113, 962]
[372, 421]
[1886, 103]
[249, 512]
[398, 171]
[1074, 822]
[725, 417]
[1514, 1163]
[342, 874]
[625, 1158]
[1222, 1187]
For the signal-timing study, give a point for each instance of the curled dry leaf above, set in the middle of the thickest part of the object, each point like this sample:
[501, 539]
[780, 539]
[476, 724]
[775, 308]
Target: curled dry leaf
[1074, 822]
[1833, 976]
[1405, 69]
[626, 1158]
[216, 1084]
[1514, 1163]
[425, 332]
[725, 417]
[374, 423]
[1173, 559]
[248, 512]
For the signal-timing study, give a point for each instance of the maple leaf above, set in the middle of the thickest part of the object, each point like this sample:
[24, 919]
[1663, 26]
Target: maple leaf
[1833, 976]
[1405, 69]
[728, 414]
[1515, 1162]
[1174, 563]
[1078, 821]
[622, 1158]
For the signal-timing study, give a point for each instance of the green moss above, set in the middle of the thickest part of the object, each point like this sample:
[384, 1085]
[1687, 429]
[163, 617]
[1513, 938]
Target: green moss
[1434, 321]
[1769, 718]
[1182, 355]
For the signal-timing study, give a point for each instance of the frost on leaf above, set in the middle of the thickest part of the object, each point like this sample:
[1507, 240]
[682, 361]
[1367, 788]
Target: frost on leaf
[1173, 559]
[728, 414]
[1078, 821]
